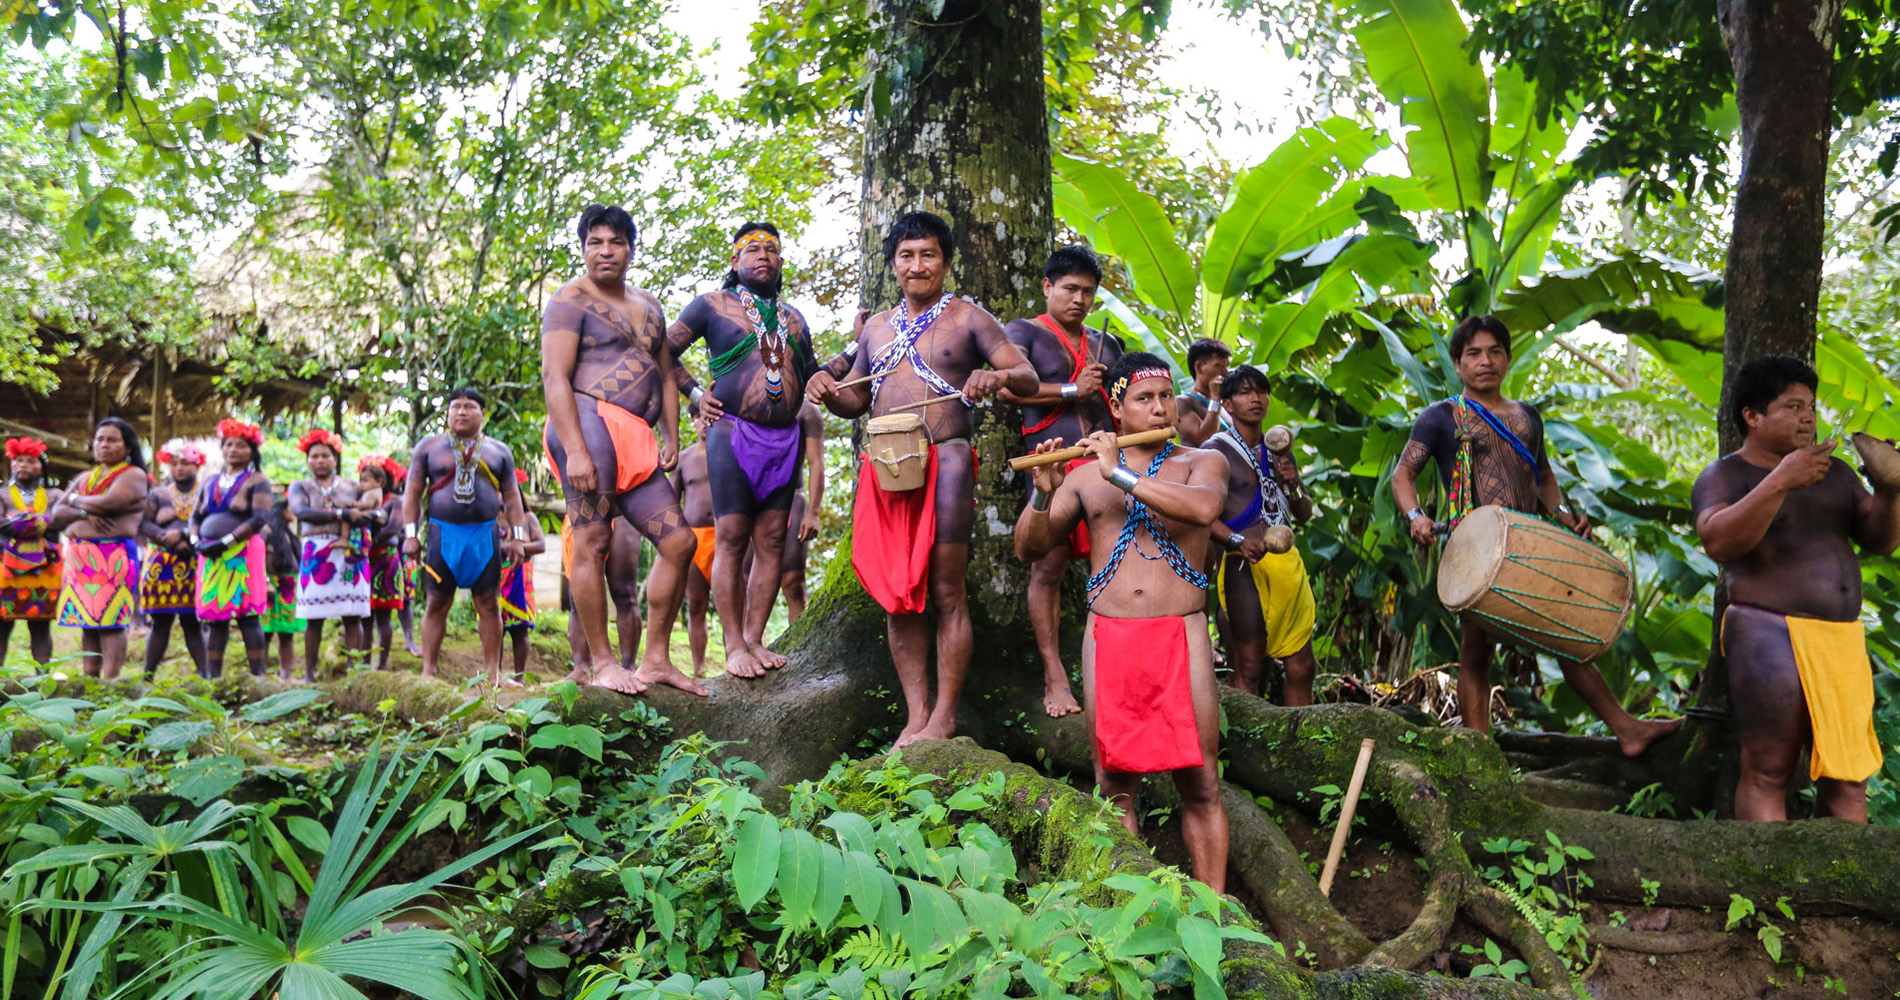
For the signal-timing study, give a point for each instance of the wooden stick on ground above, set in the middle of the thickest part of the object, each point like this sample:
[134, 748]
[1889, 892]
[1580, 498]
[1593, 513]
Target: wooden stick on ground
[1347, 807]
[1021, 462]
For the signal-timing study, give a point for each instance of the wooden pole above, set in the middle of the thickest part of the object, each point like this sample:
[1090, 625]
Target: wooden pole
[1347, 807]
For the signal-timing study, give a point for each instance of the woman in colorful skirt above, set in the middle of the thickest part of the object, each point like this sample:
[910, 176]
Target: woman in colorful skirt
[376, 477]
[29, 550]
[228, 521]
[282, 550]
[333, 581]
[516, 596]
[100, 516]
[168, 592]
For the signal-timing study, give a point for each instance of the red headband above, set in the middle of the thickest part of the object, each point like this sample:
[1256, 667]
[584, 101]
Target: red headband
[187, 453]
[1121, 385]
[319, 436]
[25, 448]
[229, 428]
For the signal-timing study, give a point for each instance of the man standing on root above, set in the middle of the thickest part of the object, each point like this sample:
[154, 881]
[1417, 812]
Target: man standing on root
[761, 355]
[931, 346]
[1267, 598]
[802, 521]
[1782, 515]
[607, 377]
[516, 599]
[1147, 664]
[623, 589]
[468, 480]
[1071, 402]
[333, 577]
[29, 550]
[100, 518]
[1490, 450]
[169, 590]
[227, 529]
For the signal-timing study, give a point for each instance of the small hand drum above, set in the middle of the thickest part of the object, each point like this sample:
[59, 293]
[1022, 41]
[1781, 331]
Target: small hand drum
[1881, 460]
[1535, 583]
[898, 448]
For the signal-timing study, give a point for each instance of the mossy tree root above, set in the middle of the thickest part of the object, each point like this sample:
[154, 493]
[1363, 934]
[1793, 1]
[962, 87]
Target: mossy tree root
[1271, 868]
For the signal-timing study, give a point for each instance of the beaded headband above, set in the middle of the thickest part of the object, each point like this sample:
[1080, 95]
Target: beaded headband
[755, 236]
[1121, 384]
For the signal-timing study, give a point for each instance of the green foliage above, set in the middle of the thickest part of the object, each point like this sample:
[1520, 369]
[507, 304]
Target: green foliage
[1545, 891]
[1742, 910]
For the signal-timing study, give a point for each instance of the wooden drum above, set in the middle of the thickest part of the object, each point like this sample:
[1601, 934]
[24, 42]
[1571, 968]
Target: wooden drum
[1535, 583]
[898, 449]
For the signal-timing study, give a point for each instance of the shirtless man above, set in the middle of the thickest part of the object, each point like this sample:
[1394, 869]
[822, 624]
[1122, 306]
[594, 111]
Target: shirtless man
[760, 354]
[169, 590]
[1267, 597]
[623, 589]
[1071, 402]
[607, 378]
[1782, 515]
[29, 550]
[696, 502]
[931, 345]
[1509, 468]
[100, 517]
[333, 579]
[1147, 665]
[228, 524]
[1198, 411]
[802, 521]
[468, 481]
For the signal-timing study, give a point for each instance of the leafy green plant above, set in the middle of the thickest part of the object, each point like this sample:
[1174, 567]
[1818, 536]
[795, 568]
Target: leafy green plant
[1742, 910]
[1494, 963]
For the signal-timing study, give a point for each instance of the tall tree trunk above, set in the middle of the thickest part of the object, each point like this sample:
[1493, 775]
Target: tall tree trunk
[1783, 55]
[958, 125]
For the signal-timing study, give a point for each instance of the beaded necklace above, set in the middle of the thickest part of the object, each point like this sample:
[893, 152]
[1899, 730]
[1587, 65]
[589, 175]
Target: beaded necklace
[771, 340]
[1272, 499]
[904, 345]
[36, 506]
[467, 457]
[1139, 516]
[101, 478]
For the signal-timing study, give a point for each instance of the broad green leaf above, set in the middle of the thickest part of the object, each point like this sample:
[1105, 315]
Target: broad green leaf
[1130, 224]
[280, 704]
[799, 867]
[1854, 387]
[199, 781]
[1143, 334]
[1615, 293]
[309, 833]
[1415, 50]
[175, 736]
[854, 831]
[933, 918]
[1378, 260]
[755, 859]
[865, 882]
[831, 887]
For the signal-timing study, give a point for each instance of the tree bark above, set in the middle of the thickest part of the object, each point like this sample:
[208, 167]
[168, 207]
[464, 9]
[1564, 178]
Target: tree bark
[957, 124]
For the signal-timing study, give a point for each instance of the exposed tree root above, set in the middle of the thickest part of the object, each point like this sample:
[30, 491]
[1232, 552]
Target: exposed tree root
[1271, 868]
[1624, 939]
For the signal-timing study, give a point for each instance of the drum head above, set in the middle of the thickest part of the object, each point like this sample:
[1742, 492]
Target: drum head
[894, 423]
[1472, 556]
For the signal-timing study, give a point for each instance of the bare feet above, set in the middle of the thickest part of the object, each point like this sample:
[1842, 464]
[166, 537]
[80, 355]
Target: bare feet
[699, 669]
[1645, 734]
[741, 661]
[504, 682]
[772, 660]
[1059, 701]
[578, 675]
[931, 731]
[662, 671]
[615, 677]
[428, 671]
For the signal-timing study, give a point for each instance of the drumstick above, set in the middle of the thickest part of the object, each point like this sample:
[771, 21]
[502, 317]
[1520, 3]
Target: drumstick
[1022, 462]
[855, 381]
[1347, 807]
[920, 404]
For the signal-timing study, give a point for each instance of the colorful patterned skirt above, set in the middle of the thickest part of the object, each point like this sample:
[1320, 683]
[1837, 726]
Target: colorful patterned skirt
[170, 585]
[334, 579]
[233, 585]
[516, 597]
[387, 588]
[101, 583]
[281, 618]
[30, 580]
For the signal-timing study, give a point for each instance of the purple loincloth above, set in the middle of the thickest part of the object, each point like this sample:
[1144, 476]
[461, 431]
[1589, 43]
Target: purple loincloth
[769, 455]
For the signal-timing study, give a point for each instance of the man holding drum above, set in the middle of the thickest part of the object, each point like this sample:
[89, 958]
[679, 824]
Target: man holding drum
[924, 360]
[1783, 516]
[1147, 663]
[1490, 450]
[1070, 403]
[1261, 579]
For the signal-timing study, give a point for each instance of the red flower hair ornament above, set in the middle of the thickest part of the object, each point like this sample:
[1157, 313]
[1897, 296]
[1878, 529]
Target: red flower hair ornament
[319, 436]
[229, 428]
[25, 448]
[187, 453]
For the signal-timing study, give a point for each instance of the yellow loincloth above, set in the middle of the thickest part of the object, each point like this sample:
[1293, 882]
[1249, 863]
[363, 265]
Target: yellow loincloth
[1838, 680]
[1286, 600]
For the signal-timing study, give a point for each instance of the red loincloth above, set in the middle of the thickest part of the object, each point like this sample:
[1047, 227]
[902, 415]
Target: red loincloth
[891, 536]
[1078, 535]
[1144, 707]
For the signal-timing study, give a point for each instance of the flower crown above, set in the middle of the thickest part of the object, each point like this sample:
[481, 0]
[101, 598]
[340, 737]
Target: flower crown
[187, 453]
[319, 436]
[25, 448]
[230, 428]
[1121, 384]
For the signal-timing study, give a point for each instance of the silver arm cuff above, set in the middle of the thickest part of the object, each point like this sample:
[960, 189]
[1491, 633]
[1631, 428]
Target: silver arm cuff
[1038, 500]
[1124, 479]
[1070, 390]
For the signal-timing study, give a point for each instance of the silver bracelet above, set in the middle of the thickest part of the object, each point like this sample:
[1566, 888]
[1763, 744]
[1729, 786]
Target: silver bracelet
[693, 397]
[1070, 390]
[520, 532]
[1038, 500]
[228, 538]
[1124, 479]
[1235, 539]
[409, 530]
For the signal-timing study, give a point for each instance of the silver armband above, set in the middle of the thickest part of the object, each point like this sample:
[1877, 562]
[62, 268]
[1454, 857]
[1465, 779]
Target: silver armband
[693, 397]
[1413, 515]
[1235, 539]
[228, 538]
[1124, 479]
[1038, 500]
[1070, 390]
[520, 532]
[409, 530]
